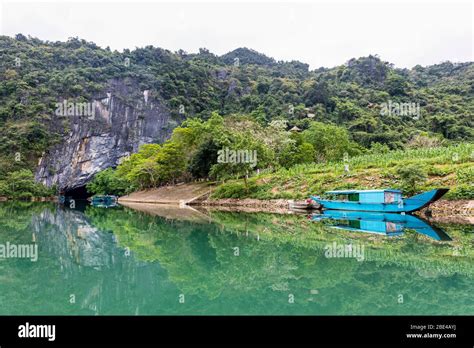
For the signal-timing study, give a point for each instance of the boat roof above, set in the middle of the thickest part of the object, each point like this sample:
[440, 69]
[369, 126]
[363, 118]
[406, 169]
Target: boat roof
[344, 192]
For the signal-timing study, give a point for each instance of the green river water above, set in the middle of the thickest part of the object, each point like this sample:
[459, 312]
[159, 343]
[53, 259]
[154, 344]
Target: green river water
[171, 261]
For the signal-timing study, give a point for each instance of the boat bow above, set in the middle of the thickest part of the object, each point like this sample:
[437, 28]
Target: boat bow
[422, 200]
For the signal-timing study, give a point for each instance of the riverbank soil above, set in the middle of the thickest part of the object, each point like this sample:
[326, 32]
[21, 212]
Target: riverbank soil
[461, 211]
[172, 194]
[197, 194]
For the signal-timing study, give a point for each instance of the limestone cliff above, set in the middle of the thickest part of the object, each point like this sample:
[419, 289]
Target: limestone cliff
[123, 119]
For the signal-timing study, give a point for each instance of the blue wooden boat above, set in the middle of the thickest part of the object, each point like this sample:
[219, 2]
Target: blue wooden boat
[387, 201]
[388, 224]
[106, 201]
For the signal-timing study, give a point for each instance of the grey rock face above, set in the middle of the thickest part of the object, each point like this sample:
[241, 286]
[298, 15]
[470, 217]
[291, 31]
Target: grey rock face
[122, 120]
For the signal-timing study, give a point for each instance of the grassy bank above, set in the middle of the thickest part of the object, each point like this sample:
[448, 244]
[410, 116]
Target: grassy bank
[451, 167]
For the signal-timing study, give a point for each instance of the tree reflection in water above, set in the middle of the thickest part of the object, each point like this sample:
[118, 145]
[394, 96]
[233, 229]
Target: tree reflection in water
[122, 261]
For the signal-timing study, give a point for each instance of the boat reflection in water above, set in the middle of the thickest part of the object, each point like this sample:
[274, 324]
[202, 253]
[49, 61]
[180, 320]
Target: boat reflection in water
[381, 223]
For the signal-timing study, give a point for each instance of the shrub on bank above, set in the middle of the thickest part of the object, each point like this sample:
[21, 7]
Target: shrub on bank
[21, 185]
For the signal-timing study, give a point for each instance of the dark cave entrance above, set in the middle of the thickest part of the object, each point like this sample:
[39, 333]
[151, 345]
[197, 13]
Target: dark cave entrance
[77, 193]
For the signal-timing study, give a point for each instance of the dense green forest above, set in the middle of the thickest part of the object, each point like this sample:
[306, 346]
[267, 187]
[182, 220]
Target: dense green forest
[241, 100]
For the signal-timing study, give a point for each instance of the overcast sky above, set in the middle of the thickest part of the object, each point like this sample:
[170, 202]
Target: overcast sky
[320, 33]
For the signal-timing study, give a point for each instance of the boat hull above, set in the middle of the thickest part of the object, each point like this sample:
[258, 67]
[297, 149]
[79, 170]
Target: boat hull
[405, 206]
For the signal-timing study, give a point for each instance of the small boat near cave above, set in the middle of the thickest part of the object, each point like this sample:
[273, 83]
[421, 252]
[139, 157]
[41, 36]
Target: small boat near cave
[386, 201]
[302, 205]
[105, 201]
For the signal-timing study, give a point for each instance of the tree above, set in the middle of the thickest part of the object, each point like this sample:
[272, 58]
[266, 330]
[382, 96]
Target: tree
[21, 185]
[171, 161]
[108, 182]
[396, 85]
[347, 110]
[330, 142]
[305, 153]
[377, 148]
[203, 159]
[318, 93]
[411, 176]
[261, 156]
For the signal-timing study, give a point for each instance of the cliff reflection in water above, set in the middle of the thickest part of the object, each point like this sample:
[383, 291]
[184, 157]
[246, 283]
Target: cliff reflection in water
[123, 261]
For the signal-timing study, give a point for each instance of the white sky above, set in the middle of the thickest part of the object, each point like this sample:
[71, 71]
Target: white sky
[320, 33]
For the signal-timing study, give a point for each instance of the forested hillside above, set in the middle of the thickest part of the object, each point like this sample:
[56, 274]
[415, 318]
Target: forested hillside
[363, 105]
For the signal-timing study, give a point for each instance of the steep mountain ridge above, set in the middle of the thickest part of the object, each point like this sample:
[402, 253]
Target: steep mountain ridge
[139, 96]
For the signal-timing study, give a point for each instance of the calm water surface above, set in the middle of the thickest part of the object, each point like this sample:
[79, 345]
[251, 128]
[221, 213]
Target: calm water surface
[163, 260]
